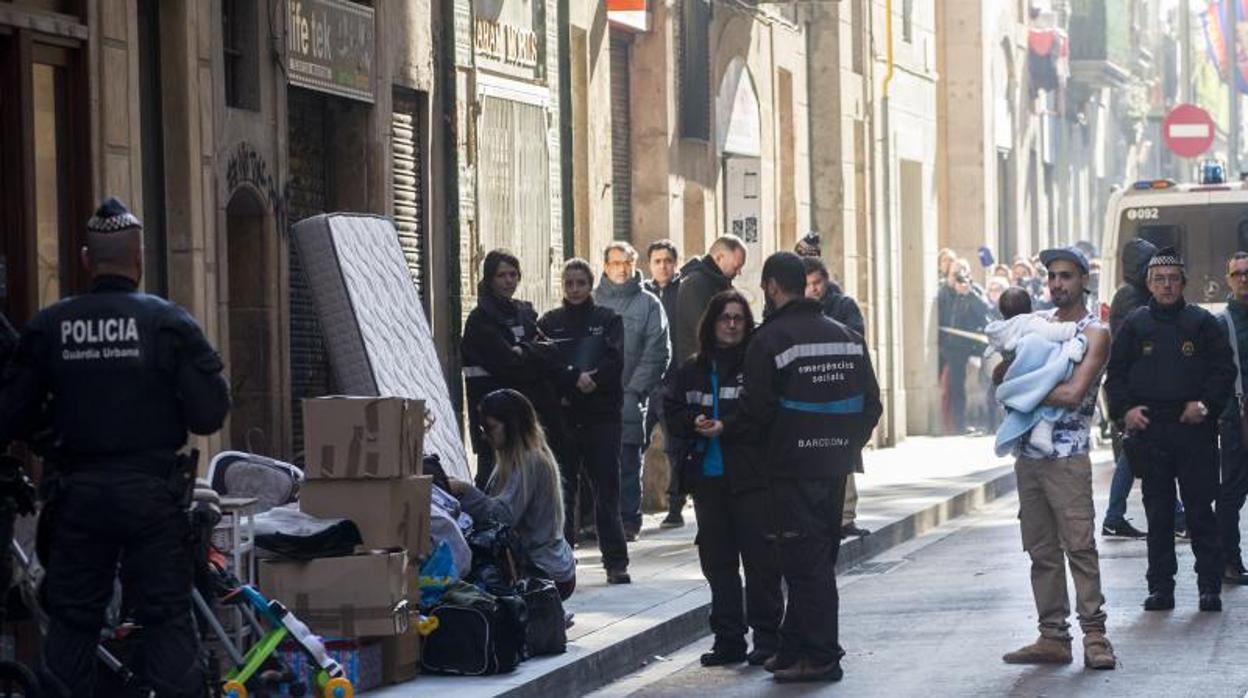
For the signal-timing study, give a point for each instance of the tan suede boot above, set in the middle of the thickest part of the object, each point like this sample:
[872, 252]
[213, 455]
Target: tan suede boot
[1097, 652]
[1044, 650]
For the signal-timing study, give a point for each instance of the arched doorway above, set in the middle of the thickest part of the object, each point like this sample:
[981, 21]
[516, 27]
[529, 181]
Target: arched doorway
[738, 137]
[251, 293]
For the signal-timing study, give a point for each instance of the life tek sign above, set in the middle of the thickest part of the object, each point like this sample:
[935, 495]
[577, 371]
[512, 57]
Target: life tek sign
[1188, 130]
[330, 47]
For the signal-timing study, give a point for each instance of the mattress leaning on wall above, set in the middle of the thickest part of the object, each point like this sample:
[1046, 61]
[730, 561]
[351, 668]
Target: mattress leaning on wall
[376, 333]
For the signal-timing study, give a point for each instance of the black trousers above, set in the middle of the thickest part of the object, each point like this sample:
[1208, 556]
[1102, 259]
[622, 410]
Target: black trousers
[733, 532]
[97, 520]
[1189, 454]
[671, 449]
[592, 451]
[807, 516]
[1234, 490]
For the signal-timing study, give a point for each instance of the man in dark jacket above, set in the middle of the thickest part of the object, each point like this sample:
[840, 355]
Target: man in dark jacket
[590, 339]
[843, 309]
[1132, 294]
[701, 279]
[1171, 372]
[1234, 490]
[664, 282]
[812, 396]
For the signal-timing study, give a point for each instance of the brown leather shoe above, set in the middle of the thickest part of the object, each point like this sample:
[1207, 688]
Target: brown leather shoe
[1097, 652]
[805, 670]
[776, 663]
[1045, 650]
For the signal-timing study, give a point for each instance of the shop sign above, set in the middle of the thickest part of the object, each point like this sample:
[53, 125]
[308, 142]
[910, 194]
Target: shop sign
[506, 45]
[331, 46]
[629, 14]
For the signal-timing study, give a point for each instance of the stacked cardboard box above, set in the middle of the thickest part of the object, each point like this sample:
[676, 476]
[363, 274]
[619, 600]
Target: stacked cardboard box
[362, 462]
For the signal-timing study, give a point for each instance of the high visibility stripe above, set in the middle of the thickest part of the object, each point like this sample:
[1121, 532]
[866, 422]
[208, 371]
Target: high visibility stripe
[810, 351]
[475, 372]
[851, 405]
[697, 397]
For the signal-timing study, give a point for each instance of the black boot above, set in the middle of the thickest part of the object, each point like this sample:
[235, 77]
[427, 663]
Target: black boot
[1211, 602]
[719, 656]
[1159, 601]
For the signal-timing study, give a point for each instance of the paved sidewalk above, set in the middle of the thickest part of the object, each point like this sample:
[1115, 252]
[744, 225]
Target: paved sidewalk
[906, 491]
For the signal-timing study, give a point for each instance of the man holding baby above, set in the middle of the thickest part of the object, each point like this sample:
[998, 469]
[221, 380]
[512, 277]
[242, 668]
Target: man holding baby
[1055, 481]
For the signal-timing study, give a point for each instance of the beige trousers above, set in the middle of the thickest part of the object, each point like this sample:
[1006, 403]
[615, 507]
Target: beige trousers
[1058, 525]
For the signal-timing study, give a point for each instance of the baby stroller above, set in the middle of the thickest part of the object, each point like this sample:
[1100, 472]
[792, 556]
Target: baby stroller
[258, 671]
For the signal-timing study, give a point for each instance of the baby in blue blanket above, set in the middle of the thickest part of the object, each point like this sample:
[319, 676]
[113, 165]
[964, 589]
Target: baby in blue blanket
[1040, 355]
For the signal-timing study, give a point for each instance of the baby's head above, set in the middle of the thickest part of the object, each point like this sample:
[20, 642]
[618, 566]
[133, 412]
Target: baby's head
[1014, 301]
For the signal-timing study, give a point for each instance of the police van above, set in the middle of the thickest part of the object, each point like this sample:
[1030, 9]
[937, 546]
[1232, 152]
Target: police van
[1207, 222]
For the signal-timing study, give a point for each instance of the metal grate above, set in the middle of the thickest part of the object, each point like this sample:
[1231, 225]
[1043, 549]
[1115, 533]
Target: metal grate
[621, 135]
[514, 198]
[309, 365]
[408, 176]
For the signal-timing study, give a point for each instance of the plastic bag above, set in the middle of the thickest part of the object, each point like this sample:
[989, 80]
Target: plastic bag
[436, 575]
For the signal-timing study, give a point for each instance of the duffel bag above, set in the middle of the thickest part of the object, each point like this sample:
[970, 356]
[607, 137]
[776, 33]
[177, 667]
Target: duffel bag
[477, 633]
[545, 630]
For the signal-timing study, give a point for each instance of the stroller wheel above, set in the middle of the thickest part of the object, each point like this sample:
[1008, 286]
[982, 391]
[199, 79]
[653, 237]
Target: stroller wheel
[233, 689]
[18, 680]
[338, 687]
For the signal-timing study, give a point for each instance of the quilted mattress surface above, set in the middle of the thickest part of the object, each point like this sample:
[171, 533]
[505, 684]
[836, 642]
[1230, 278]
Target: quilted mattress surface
[376, 333]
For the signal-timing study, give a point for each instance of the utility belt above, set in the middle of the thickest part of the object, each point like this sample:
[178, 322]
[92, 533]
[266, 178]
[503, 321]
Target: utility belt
[177, 468]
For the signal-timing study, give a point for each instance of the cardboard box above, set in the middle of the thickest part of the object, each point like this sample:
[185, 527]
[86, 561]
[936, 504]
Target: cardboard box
[389, 513]
[400, 657]
[353, 596]
[361, 660]
[363, 437]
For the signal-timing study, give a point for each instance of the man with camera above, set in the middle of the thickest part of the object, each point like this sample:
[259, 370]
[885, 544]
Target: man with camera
[1171, 373]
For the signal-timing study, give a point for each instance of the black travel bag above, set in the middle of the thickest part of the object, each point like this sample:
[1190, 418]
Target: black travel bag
[545, 631]
[477, 633]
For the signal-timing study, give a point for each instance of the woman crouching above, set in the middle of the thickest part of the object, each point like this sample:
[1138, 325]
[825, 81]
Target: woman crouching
[524, 490]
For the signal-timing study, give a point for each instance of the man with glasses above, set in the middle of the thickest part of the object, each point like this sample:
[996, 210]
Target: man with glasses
[1234, 454]
[646, 354]
[1055, 509]
[1170, 369]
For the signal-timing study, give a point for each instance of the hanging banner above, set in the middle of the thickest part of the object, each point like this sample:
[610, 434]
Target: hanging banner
[1213, 21]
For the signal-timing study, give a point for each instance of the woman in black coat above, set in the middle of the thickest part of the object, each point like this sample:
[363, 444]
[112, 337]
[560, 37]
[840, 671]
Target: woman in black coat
[502, 348]
[722, 469]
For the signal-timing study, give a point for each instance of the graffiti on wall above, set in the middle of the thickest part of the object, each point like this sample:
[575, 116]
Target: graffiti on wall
[246, 166]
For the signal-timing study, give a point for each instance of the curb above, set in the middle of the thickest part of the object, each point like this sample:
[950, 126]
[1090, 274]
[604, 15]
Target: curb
[599, 668]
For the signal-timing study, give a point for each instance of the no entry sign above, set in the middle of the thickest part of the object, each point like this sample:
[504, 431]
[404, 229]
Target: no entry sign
[1188, 130]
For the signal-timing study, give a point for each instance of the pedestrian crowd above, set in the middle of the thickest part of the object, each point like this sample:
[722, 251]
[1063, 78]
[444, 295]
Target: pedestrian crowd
[763, 425]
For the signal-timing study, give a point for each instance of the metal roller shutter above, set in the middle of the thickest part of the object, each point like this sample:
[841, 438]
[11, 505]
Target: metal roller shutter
[408, 168]
[513, 183]
[309, 366]
[621, 135]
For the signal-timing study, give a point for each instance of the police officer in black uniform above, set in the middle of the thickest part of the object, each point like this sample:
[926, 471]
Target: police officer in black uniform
[590, 338]
[1170, 375]
[811, 393]
[122, 377]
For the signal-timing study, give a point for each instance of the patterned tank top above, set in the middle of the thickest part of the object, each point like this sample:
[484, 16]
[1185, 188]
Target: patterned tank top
[1072, 433]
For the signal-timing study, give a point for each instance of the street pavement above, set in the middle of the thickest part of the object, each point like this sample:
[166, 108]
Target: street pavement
[906, 491]
[932, 617]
